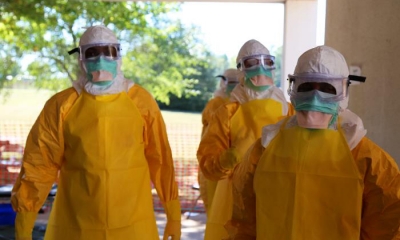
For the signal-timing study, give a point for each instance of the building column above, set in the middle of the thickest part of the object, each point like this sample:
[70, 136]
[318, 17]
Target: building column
[300, 34]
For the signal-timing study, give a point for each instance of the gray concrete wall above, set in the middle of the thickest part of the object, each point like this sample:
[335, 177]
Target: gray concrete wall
[367, 33]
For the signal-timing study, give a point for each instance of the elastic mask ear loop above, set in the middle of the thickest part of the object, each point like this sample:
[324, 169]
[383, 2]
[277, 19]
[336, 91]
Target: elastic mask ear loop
[333, 119]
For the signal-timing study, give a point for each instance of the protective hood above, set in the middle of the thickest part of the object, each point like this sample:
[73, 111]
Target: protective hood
[325, 62]
[231, 75]
[322, 60]
[253, 49]
[250, 48]
[100, 35]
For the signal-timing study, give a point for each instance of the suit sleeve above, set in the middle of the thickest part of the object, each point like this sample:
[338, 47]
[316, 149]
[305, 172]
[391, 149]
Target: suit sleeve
[42, 159]
[158, 152]
[381, 200]
[243, 222]
[215, 141]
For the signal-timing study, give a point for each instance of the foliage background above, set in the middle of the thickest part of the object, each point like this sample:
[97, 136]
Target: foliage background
[161, 54]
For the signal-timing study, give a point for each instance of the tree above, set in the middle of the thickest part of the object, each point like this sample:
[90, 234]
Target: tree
[160, 63]
[8, 66]
[203, 89]
[278, 64]
[160, 54]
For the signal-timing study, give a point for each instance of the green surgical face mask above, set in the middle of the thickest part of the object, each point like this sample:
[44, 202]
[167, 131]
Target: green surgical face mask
[315, 104]
[255, 72]
[229, 88]
[101, 64]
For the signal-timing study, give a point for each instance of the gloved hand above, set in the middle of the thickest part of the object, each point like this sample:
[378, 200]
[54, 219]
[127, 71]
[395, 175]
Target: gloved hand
[173, 228]
[229, 158]
[24, 223]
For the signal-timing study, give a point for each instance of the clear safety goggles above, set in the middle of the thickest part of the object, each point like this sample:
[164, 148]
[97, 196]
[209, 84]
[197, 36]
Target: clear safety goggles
[229, 80]
[328, 89]
[251, 62]
[92, 52]
[232, 80]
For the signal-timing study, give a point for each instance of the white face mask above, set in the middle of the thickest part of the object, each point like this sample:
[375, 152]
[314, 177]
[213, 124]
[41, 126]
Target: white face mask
[313, 120]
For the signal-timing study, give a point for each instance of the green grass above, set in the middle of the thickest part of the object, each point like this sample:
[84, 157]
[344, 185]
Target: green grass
[26, 104]
[22, 104]
[181, 117]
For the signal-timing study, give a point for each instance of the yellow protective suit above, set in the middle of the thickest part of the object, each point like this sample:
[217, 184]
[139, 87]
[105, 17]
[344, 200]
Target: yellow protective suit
[233, 125]
[105, 149]
[209, 110]
[207, 187]
[317, 189]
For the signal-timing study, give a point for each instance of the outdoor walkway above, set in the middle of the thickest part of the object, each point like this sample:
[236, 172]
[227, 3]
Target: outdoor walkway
[192, 228]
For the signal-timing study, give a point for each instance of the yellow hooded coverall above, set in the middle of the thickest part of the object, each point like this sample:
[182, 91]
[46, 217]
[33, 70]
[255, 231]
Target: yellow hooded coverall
[207, 187]
[103, 150]
[233, 125]
[316, 191]
[209, 110]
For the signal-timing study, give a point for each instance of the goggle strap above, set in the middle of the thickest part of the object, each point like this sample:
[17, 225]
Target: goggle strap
[222, 76]
[75, 50]
[357, 78]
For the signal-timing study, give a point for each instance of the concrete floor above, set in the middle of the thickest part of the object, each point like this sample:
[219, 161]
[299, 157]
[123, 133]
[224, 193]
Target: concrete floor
[192, 228]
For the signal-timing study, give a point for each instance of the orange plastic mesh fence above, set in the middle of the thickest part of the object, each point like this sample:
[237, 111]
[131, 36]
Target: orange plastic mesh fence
[183, 137]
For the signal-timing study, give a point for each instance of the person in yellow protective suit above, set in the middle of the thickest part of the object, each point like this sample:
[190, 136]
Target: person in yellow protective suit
[228, 81]
[255, 102]
[104, 141]
[316, 175]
